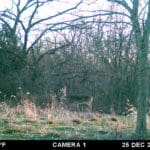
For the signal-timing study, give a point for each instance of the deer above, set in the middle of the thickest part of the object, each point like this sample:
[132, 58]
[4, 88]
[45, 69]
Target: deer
[76, 100]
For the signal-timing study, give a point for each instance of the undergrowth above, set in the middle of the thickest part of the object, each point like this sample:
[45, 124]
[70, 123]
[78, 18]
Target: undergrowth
[28, 121]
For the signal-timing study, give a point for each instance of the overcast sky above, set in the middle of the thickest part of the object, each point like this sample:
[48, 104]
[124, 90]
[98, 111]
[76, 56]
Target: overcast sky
[60, 5]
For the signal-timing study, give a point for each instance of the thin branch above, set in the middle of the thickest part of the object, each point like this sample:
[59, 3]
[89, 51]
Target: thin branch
[33, 13]
[37, 39]
[56, 15]
[107, 12]
[122, 3]
[6, 23]
[52, 51]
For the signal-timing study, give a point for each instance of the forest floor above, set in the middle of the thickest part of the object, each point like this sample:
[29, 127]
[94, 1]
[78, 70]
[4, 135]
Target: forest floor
[30, 123]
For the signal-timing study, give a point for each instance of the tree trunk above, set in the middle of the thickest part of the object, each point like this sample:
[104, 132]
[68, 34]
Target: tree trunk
[141, 127]
[142, 33]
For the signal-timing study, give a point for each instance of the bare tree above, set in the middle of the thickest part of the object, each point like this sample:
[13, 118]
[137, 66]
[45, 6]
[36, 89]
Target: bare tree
[140, 27]
[26, 28]
[24, 25]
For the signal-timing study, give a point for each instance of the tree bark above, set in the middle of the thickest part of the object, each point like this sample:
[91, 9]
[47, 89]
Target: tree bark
[141, 128]
[142, 60]
[141, 34]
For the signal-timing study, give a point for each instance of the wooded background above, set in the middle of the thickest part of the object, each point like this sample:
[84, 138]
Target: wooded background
[91, 55]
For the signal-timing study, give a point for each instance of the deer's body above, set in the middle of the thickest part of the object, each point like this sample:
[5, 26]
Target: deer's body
[77, 100]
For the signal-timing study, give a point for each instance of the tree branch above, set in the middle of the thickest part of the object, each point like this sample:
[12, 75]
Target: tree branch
[52, 51]
[122, 3]
[56, 15]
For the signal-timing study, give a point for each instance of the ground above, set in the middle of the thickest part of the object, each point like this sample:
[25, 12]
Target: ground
[26, 123]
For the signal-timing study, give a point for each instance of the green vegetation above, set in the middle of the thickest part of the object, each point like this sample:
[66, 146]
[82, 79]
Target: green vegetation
[20, 123]
[99, 57]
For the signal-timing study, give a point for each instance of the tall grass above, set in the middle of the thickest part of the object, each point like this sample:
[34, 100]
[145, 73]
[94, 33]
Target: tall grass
[55, 121]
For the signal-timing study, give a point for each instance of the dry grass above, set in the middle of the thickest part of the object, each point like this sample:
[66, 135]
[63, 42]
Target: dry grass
[17, 128]
[55, 121]
[30, 110]
[76, 119]
[55, 114]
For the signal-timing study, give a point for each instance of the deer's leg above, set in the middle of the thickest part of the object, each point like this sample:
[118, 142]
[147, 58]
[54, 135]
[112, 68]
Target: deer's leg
[90, 107]
[78, 107]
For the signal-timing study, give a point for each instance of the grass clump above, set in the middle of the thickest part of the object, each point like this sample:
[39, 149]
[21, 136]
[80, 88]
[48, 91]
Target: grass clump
[27, 121]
